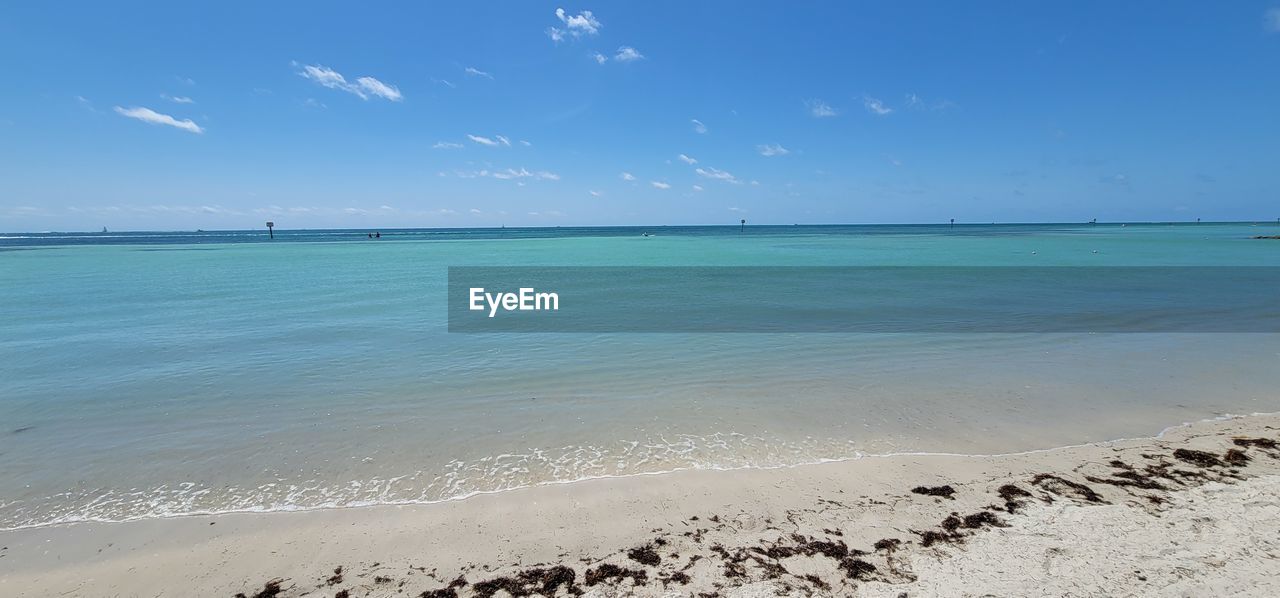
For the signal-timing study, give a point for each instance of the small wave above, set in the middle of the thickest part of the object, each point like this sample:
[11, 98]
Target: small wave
[462, 480]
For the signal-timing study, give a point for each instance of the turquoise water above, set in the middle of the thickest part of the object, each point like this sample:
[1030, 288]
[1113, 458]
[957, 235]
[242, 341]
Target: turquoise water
[158, 374]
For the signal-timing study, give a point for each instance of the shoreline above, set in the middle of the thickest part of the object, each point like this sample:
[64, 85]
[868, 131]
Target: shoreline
[603, 534]
[586, 479]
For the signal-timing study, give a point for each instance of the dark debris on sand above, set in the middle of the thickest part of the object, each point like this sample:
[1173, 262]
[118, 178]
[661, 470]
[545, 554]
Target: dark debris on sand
[609, 573]
[540, 581]
[645, 555]
[940, 491]
[1197, 458]
[1155, 476]
[271, 589]
[1064, 487]
[1012, 495]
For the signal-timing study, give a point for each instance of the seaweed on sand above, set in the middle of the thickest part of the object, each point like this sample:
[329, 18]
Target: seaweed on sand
[941, 491]
[608, 572]
[1065, 487]
[645, 555]
[1197, 458]
[529, 582]
[271, 589]
[1011, 496]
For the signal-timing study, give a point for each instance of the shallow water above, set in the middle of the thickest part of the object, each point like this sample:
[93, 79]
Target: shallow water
[161, 374]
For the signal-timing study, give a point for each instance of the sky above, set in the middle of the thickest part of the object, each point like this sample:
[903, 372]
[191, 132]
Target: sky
[177, 116]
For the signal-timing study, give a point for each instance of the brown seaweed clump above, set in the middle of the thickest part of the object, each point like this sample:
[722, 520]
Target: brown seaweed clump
[940, 491]
[1236, 458]
[529, 582]
[1262, 443]
[271, 589]
[607, 572]
[645, 555]
[1012, 495]
[1065, 487]
[1197, 458]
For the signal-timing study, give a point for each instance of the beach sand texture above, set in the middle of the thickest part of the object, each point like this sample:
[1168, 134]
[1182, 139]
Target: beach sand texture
[1193, 512]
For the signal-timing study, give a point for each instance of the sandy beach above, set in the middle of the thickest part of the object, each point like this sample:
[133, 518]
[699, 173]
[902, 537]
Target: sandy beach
[1195, 511]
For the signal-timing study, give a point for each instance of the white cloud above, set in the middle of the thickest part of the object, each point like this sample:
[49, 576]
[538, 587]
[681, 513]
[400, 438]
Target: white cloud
[446, 145]
[875, 106]
[697, 187]
[600, 58]
[660, 185]
[687, 159]
[375, 87]
[698, 127]
[314, 103]
[512, 173]
[1271, 20]
[820, 109]
[769, 150]
[151, 116]
[717, 174]
[444, 82]
[177, 99]
[583, 23]
[496, 141]
[525, 143]
[626, 176]
[595, 193]
[475, 72]
[475, 211]
[362, 88]
[914, 101]
[628, 54]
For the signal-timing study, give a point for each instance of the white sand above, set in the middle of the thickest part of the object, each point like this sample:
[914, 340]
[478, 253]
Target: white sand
[1206, 537]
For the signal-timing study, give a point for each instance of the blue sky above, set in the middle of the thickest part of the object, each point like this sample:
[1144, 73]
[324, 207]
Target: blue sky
[319, 114]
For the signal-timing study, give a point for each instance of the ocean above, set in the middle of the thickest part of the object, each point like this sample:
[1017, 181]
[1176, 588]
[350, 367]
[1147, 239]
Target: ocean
[158, 374]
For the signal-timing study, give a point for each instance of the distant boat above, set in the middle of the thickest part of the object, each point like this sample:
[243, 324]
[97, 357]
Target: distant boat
[104, 229]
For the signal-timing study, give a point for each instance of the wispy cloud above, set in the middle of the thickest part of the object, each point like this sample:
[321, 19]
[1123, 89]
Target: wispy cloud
[697, 187]
[375, 87]
[148, 115]
[497, 140]
[511, 173]
[599, 58]
[1271, 20]
[819, 108]
[475, 72]
[87, 104]
[687, 159]
[525, 143]
[595, 193]
[444, 82]
[770, 150]
[626, 176]
[177, 99]
[660, 185]
[875, 106]
[698, 127]
[628, 54]
[507, 174]
[717, 174]
[446, 145]
[362, 88]
[583, 23]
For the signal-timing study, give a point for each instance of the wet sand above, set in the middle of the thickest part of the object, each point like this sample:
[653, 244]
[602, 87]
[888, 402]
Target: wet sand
[1195, 511]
